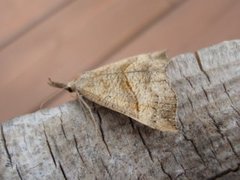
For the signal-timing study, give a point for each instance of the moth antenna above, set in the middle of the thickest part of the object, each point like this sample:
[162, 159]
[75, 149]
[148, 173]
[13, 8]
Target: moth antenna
[56, 84]
[52, 83]
[96, 125]
[59, 85]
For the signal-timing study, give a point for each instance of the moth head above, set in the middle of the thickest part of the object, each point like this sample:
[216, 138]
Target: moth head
[71, 87]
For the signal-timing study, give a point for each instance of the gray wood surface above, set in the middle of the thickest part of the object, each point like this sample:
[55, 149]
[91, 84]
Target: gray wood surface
[62, 143]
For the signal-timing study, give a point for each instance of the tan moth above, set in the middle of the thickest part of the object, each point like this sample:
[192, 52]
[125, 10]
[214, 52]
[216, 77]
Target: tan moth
[136, 87]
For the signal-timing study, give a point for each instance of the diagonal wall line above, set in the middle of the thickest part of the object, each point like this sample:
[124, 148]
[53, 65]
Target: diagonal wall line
[34, 24]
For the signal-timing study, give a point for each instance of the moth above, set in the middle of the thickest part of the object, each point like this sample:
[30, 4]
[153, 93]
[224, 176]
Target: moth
[137, 87]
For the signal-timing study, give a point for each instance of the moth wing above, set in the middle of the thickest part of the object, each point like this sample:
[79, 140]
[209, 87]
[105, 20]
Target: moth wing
[136, 87]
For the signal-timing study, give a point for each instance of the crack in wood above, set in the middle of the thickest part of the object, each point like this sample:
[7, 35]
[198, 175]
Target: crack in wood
[181, 123]
[222, 135]
[227, 93]
[164, 171]
[225, 172]
[6, 147]
[131, 123]
[102, 134]
[215, 157]
[206, 94]
[190, 101]
[18, 172]
[106, 168]
[145, 145]
[49, 147]
[208, 136]
[188, 80]
[201, 67]
[195, 148]
[29, 169]
[184, 170]
[76, 145]
[213, 150]
[236, 110]
[238, 124]
[229, 97]
[61, 121]
[232, 147]
[62, 170]
[215, 124]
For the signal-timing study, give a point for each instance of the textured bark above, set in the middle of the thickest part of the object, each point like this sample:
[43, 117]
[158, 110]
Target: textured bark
[62, 143]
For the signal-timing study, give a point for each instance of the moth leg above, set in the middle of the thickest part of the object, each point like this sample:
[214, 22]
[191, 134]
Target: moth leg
[81, 100]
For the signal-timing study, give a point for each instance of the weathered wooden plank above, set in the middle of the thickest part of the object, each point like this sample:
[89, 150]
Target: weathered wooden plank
[78, 37]
[62, 142]
[18, 17]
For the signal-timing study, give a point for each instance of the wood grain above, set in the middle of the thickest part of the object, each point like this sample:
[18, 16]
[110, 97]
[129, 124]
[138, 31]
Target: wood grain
[19, 17]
